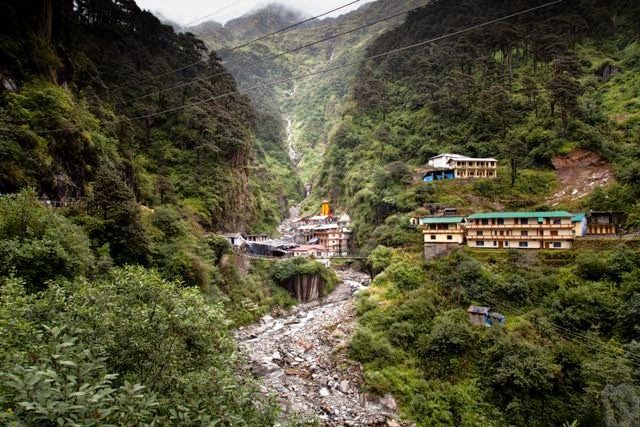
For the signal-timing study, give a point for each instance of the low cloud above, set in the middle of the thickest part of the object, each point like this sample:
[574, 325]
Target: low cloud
[187, 11]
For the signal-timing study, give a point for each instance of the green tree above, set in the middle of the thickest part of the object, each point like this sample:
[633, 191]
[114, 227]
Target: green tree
[37, 244]
[114, 203]
[520, 375]
[564, 90]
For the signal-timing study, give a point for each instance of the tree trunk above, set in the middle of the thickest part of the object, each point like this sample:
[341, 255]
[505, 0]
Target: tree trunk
[46, 20]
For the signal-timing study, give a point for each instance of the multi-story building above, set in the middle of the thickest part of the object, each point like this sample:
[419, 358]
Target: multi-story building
[329, 231]
[456, 166]
[443, 229]
[523, 230]
[334, 238]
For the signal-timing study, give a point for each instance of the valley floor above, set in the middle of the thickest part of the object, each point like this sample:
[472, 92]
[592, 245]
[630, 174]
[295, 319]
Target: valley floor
[302, 358]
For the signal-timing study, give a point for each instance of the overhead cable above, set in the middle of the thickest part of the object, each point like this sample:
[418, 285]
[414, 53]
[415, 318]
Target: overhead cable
[326, 70]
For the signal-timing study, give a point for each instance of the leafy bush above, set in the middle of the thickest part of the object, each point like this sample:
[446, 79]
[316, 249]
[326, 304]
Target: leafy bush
[140, 327]
[282, 271]
[450, 334]
[405, 275]
[70, 385]
[39, 245]
[369, 347]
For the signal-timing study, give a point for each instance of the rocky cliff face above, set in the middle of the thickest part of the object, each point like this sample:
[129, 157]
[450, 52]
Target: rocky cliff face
[77, 117]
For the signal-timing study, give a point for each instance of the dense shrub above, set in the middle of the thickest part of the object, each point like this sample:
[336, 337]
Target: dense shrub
[140, 327]
[367, 347]
[37, 244]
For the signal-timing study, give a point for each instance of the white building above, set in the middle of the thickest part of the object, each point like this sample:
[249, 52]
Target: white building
[455, 166]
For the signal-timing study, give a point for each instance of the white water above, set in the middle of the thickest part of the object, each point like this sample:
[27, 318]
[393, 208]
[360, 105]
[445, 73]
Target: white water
[293, 154]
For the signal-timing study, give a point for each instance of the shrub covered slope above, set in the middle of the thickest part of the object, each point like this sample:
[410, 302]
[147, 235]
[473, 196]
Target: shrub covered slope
[521, 90]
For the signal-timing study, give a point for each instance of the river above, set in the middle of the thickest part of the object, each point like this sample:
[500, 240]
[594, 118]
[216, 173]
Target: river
[302, 360]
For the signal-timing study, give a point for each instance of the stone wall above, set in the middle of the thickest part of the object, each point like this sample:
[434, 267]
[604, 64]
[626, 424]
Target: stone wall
[437, 249]
[306, 287]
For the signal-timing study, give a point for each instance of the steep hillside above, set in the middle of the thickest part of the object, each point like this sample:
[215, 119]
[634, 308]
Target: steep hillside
[86, 72]
[523, 90]
[308, 108]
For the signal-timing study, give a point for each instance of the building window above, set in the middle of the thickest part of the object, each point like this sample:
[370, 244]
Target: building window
[506, 244]
[557, 221]
[523, 244]
[449, 237]
[524, 233]
[557, 244]
[485, 221]
[554, 232]
[433, 237]
[524, 221]
[500, 221]
[495, 243]
[480, 243]
[480, 232]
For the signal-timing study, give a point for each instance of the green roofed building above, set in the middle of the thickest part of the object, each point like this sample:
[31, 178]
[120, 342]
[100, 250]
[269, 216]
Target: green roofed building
[521, 230]
[446, 229]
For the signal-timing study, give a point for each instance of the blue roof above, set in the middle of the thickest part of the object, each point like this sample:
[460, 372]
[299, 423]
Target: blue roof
[578, 217]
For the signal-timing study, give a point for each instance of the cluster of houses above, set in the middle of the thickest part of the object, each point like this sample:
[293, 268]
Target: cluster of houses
[321, 236]
[517, 230]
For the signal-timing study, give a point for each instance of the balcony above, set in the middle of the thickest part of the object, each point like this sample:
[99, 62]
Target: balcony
[518, 226]
[454, 231]
[497, 238]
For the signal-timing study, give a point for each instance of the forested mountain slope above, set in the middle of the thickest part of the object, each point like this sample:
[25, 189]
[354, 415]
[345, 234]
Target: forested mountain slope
[77, 74]
[307, 108]
[116, 295]
[522, 90]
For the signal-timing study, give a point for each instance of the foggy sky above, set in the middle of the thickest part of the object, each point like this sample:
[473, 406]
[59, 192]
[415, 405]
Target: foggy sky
[186, 11]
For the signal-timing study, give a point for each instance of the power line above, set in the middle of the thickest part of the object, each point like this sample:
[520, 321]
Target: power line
[272, 57]
[579, 335]
[188, 24]
[575, 337]
[245, 44]
[326, 70]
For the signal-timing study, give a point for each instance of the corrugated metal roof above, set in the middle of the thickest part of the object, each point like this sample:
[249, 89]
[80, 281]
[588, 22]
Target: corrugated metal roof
[478, 309]
[491, 215]
[446, 155]
[442, 220]
[473, 159]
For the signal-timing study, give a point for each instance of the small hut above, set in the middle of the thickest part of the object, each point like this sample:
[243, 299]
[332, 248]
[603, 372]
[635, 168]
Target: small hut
[483, 316]
[478, 315]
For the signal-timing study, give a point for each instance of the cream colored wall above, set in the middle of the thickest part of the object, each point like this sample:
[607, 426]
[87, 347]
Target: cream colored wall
[515, 244]
[442, 237]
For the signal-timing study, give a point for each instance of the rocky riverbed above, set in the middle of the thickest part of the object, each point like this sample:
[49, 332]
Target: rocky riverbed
[301, 358]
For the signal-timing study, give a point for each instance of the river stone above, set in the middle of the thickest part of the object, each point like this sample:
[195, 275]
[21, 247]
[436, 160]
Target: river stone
[389, 403]
[344, 386]
[324, 392]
